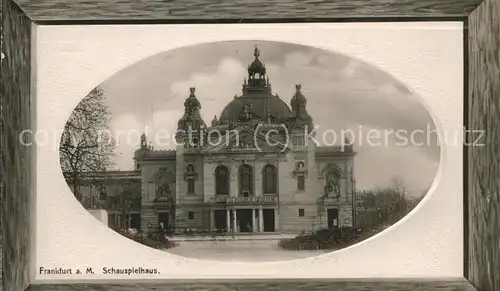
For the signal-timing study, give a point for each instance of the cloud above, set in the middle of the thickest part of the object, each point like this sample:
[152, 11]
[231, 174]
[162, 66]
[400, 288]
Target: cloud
[381, 158]
[126, 129]
[341, 93]
[214, 89]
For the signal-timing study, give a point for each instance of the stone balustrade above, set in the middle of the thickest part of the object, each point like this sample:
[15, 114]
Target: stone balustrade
[230, 200]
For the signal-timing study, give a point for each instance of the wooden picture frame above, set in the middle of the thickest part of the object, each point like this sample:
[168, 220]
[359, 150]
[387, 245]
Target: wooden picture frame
[482, 112]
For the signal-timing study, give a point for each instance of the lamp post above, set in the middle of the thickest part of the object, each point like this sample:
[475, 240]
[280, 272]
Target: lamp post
[149, 234]
[354, 208]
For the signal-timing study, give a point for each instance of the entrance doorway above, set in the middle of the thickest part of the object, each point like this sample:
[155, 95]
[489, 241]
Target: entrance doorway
[220, 217]
[164, 220]
[244, 217]
[333, 218]
[269, 223]
[135, 221]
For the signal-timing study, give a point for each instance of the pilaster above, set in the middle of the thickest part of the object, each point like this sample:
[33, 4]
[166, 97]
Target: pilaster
[261, 219]
[254, 226]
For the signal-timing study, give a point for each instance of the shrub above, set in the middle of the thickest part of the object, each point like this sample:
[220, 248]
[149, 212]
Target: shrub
[323, 239]
[156, 240]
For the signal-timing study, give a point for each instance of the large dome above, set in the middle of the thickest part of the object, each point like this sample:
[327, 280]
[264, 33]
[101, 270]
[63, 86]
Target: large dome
[260, 107]
[257, 102]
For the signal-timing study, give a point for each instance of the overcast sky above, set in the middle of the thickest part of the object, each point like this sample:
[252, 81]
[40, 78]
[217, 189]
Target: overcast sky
[341, 92]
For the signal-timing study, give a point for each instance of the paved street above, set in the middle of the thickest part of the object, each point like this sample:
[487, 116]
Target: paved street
[239, 250]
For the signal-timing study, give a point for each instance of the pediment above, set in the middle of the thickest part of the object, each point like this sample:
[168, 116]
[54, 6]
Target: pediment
[164, 173]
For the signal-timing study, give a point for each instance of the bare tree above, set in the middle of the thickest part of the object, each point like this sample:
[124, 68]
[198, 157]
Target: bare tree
[124, 199]
[399, 185]
[384, 205]
[85, 149]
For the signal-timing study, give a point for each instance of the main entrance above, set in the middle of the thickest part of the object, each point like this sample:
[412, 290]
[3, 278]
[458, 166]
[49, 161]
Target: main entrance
[269, 222]
[135, 220]
[164, 220]
[220, 217]
[245, 222]
[333, 218]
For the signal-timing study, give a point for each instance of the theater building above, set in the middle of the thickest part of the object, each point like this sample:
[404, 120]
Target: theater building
[253, 168]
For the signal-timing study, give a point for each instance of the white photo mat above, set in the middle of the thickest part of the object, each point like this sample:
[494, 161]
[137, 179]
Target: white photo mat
[426, 57]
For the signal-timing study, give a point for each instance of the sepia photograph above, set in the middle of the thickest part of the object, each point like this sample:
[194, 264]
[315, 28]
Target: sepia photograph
[275, 145]
[250, 151]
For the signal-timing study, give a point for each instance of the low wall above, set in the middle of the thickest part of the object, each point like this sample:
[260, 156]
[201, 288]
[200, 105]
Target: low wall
[100, 214]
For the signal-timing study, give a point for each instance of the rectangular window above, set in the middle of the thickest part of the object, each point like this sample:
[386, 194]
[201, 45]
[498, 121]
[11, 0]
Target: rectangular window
[190, 186]
[191, 215]
[301, 183]
[298, 141]
[301, 212]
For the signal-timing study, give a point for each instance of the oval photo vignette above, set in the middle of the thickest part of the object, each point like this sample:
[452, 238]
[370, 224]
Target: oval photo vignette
[250, 151]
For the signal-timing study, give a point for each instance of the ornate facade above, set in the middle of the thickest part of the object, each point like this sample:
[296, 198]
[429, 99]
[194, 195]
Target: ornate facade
[255, 168]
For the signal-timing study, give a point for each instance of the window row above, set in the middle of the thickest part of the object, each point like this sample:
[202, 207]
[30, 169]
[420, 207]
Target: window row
[246, 180]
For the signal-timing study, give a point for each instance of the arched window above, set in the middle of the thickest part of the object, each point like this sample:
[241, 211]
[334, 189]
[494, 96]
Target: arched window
[246, 179]
[269, 179]
[221, 180]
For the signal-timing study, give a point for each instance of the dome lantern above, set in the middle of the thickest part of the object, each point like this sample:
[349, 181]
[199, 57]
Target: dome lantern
[257, 102]
[257, 72]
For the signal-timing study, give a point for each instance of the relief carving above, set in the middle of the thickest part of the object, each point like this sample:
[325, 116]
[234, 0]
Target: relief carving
[246, 113]
[165, 182]
[300, 168]
[332, 175]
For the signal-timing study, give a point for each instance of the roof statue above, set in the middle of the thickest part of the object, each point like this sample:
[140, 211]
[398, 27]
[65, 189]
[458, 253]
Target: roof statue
[144, 143]
[215, 121]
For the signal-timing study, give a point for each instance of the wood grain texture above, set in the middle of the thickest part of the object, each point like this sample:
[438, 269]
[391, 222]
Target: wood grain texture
[2, 165]
[16, 159]
[275, 285]
[98, 10]
[484, 173]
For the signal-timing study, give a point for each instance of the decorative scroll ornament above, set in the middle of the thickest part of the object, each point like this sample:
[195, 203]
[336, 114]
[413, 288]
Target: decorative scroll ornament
[164, 191]
[246, 113]
[300, 169]
[190, 172]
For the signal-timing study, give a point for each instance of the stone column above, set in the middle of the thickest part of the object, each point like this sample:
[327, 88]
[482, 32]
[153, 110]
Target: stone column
[233, 180]
[212, 219]
[276, 220]
[254, 226]
[235, 220]
[228, 220]
[257, 181]
[261, 219]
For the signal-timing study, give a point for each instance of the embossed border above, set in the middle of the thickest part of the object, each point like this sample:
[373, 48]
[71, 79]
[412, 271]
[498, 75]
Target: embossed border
[482, 112]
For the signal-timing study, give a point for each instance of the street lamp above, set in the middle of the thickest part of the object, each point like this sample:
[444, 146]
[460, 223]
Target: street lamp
[149, 234]
[354, 208]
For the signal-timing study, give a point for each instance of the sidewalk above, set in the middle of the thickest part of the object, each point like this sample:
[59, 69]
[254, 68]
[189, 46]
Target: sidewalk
[225, 237]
